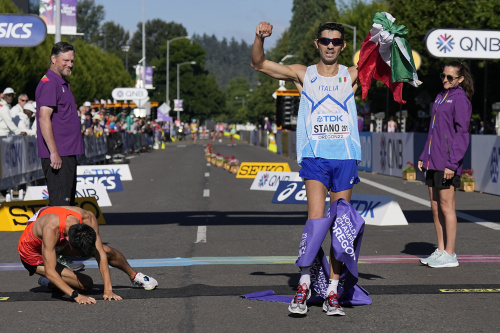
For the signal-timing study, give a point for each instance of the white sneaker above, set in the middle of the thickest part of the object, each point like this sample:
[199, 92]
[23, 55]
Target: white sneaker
[433, 256]
[444, 260]
[144, 281]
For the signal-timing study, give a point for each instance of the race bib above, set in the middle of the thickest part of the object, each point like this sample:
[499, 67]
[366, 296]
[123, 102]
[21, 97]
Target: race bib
[331, 126]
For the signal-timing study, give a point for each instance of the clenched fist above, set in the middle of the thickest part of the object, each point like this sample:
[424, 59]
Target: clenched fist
[264, 29]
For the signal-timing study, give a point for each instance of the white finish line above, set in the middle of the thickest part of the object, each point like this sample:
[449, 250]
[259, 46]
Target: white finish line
[201, 236]
[470, 218]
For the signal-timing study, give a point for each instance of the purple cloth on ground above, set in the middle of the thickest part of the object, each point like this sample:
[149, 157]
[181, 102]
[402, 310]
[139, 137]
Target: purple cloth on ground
[346, 227]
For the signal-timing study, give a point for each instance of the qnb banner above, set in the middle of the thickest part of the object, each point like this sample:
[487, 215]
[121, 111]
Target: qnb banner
[391, 152]
[68, 16]
[269, 180]
[462, 43]
[21, 30]
[485, 163]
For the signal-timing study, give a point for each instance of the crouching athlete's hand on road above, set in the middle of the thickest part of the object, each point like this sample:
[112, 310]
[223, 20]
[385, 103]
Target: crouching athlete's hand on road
[82, 299]
[111, 296]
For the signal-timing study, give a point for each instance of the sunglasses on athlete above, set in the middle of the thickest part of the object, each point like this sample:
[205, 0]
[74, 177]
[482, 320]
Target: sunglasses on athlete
[326, 41]
[448, 77]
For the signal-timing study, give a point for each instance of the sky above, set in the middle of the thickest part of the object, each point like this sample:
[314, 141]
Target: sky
[222, 18]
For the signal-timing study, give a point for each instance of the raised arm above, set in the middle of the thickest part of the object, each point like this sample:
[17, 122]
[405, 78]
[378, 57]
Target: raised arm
[292, 73]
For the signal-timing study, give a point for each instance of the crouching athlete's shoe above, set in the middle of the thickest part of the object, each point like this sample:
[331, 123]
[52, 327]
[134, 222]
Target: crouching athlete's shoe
[298, 304]
[147, 282]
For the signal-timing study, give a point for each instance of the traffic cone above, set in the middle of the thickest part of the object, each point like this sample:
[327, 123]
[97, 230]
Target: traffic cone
[162, 145]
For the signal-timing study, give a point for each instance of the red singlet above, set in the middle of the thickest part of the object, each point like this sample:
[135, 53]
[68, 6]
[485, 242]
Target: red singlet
[30, 247]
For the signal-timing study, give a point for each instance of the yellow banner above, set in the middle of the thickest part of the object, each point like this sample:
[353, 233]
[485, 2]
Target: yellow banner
[469, 290]
[15, 214]
[250, 169]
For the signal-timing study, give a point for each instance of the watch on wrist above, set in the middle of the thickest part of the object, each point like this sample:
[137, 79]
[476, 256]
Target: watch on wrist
[74, 294]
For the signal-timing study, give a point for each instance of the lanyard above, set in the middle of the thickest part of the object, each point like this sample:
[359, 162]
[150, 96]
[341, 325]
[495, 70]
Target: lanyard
[433, 121]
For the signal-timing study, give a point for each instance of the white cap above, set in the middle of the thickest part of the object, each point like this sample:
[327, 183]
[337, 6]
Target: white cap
[9, 90]
[29, 106]
[87, 103]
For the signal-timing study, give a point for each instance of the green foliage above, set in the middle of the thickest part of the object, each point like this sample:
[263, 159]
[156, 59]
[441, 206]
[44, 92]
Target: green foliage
[157, 34]
[227, 60]
[458, 14]
[88, 20]
[307, 14]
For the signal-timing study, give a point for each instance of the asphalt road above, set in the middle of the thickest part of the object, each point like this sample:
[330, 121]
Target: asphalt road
[208, 239]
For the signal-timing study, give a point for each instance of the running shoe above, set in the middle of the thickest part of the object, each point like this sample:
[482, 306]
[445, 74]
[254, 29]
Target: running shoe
[43, 281]
[74, 266]
[298, 304]
[332, 306]
[444, 260]
[147, 282]
[434, 255]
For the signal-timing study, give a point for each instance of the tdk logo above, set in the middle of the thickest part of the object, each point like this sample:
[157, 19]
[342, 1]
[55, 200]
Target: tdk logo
[19, 30]
[494, 165]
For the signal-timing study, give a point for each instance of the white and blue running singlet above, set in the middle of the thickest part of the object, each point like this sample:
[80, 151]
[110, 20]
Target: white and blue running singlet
[327, 125]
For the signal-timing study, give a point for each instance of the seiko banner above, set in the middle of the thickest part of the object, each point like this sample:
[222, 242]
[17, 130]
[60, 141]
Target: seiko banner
[465, 44]
[485, 157]
[21, 30]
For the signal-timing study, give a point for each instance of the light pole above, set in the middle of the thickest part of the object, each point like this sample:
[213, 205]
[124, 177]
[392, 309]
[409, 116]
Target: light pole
[178, 81]
[126, 48]
[282, 61]
[167, 74]
[353, 36]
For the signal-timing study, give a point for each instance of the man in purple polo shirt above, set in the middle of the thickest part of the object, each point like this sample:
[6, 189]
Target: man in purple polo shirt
[58, 127]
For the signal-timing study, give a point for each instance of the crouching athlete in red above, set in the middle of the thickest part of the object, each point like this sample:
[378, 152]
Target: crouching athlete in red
[47, 235]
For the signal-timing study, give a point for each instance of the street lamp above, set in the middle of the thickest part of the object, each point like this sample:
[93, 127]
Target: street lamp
[353, 36]
[126, 48]
[282, 61]
[178, 81]
[167, 76]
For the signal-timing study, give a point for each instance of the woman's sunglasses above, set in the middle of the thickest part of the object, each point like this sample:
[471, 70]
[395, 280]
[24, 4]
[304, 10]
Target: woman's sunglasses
[326, 41]
[448, 77]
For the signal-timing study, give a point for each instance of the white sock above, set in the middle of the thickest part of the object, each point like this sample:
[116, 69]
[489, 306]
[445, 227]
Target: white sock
[332, 286]
[305, 276]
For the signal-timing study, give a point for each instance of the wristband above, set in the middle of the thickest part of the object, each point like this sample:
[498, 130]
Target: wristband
[74, 294]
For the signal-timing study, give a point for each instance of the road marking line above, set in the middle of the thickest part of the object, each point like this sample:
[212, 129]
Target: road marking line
[469, 290]
[201, 236]
[208, 164]
[266, 260]
[206, 193]
[207, 174]
[427, 203]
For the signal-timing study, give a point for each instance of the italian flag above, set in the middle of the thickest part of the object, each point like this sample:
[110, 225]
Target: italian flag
[386, 56]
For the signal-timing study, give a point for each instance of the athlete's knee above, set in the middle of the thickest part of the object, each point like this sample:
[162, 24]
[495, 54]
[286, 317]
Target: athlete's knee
[85, 281]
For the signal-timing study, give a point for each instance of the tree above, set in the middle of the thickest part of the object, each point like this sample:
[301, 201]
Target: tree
[306, 13]
[157, 34]
[458, 14]
[88, 20]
